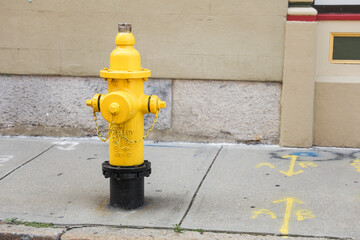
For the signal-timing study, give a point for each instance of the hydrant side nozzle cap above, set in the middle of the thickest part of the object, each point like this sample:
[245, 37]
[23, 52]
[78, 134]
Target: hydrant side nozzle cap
[124, 27]
[88, 102]
[162, 104]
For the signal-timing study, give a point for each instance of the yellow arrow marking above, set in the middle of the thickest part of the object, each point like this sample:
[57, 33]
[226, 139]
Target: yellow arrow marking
[264, 164]
[291, 172]
[289, 202]
[307, 164]
[264, 212]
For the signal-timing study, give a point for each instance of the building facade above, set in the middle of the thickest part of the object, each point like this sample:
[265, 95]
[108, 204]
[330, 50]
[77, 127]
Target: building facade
[253, 71]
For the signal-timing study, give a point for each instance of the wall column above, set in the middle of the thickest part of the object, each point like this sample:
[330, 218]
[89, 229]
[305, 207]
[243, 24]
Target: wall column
[297, 100]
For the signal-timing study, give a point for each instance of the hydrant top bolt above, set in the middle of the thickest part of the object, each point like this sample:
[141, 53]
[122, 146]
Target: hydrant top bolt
[124, 27]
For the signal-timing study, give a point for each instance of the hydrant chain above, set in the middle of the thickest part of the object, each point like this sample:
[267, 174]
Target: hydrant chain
[98, 131]
[116, 135]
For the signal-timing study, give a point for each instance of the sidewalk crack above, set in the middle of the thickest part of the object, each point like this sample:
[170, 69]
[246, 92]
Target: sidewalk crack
[58, 237]
[198, 188]
[18, 167]
[67, 229]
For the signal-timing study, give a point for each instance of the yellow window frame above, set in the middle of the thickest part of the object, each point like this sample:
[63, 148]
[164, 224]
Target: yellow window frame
[332, 35]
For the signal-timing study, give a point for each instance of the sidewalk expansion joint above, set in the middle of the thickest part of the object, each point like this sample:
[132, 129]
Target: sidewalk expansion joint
[18, 167]
[198, 188]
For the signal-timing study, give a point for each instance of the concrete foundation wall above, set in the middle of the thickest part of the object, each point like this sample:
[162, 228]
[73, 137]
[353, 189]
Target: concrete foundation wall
[197, 110]
[55, 106]
[226, 111]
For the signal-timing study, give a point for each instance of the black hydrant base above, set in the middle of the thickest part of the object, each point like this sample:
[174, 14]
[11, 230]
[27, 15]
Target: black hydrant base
[127, 193]
[126, 184]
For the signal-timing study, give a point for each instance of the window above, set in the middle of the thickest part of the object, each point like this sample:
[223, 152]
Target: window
[344, 48]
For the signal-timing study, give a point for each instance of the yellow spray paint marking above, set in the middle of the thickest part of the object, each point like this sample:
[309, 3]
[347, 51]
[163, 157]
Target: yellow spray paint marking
[304, 214]
[291, 172]
[301, 214]
[289, 203]
[356, 164]
[264, 212]
[307, 164]
[264, 164]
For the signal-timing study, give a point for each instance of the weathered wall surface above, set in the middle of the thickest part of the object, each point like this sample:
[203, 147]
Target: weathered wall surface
[204, 39]
[55, 106]
[226, 111]
[202, 111]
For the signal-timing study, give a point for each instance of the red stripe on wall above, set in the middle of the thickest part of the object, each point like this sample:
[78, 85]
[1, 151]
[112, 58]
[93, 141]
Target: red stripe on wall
[306, 18]
[334, 16]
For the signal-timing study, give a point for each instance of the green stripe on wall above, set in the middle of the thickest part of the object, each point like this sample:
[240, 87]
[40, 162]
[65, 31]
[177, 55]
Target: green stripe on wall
[300, 4]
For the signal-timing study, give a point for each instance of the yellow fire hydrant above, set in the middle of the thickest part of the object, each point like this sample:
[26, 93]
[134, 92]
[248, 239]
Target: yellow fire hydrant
[124, 107]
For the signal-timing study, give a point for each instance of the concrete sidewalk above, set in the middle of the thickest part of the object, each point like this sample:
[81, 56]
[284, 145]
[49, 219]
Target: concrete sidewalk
[212, 191]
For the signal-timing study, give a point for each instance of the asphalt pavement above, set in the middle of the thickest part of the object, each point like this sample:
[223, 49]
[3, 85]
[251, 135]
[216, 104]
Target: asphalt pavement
[53, 188]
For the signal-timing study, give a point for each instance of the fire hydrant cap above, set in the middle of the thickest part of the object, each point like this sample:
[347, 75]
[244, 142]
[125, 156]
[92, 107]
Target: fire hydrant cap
[94, 102]
[117, 107]
[155, 104]
[162, 104]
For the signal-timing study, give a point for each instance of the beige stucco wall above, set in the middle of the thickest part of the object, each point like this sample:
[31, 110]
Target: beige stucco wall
[337, 114]
[204, 39]
[332, 119]
[337, 94]
[325, 71]
[297, 98]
